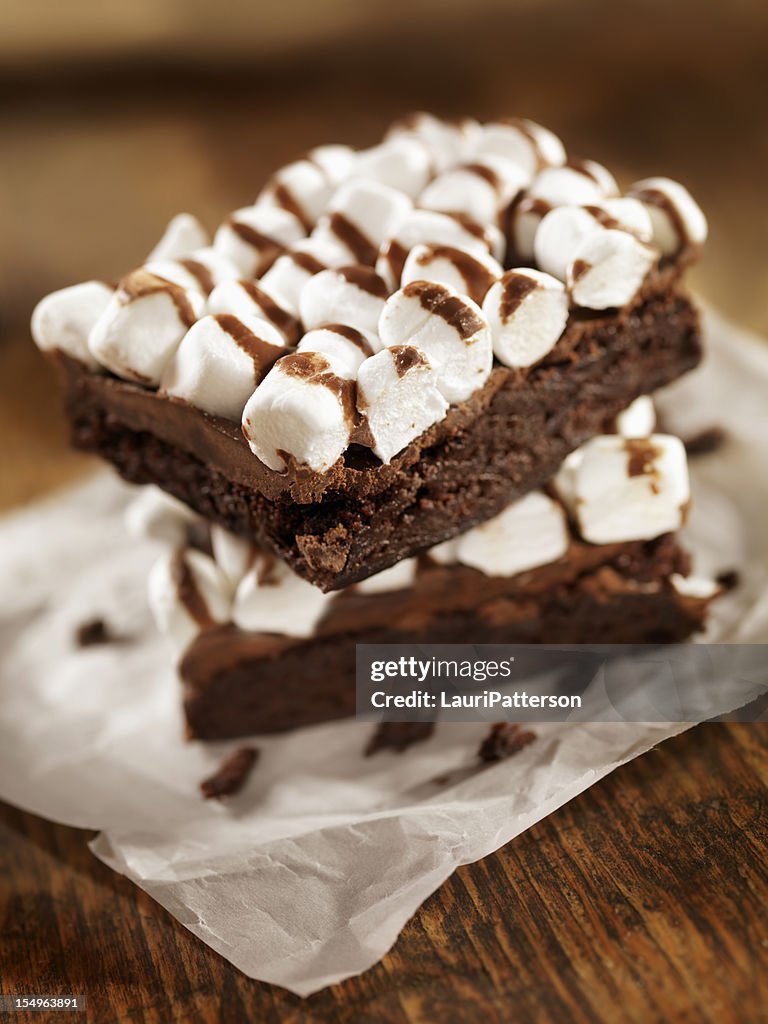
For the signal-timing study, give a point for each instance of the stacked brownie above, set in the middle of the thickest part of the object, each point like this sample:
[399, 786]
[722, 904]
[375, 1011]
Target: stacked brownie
[368, 376]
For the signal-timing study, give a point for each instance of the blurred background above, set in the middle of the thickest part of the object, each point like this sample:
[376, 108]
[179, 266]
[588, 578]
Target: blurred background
[116, 116]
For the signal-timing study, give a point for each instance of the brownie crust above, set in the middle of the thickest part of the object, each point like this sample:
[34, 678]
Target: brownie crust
[361, 517]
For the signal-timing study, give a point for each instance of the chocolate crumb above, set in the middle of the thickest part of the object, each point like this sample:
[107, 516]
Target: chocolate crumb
[729, 579]
[93, 632]
[504, 740]
[398, 736]
[706, 441]
[231, 774]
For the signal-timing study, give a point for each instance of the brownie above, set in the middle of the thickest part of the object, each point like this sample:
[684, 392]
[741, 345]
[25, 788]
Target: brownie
[238, 683]
[362, 516]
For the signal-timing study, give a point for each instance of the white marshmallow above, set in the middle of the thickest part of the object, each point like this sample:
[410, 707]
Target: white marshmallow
[220, 361]
[610, 505]
[608, 269]
[64, 319]
[252, 237]
[345, 346]
[373, 209]
[601, 176]
[698, 587]
[478, 190]
[247, 299]
[201, 270]
[400, 162]
[288, 275]
[561, 186]
[302, 407]
[678, 222]
[142, 325]
[181, 237]
[430, 228]
[448, 327]
[302, 188]
[159, 516]
[468, 273]
[445, 553]
[272, 599]
[398, 577]
[351, 295]
[527, 312]
[233, 555]
[397, 392]
[530, 532]
[336, 162]
[173, 614]
[564, 228]
[638, 419]
[448, 142]
[525, 143]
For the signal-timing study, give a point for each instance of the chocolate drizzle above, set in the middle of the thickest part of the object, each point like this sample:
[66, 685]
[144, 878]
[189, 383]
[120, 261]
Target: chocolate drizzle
[366, 279]
[262, 353]
[314, 368]
[405, 357]
[484, 172]
[395, 255]
[140, 283]
[285, 198]
[188, 591]
[578, 269]
[477, 278]
[655, 197]
[361, 247]
[603, 218]
[351, 334]
[307, 262]
[452, 308]
[285, 322]
[515, 287]
[642, 456]
[201, 274]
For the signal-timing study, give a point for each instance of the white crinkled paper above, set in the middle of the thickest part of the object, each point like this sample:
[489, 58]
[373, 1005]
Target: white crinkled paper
[307, 876]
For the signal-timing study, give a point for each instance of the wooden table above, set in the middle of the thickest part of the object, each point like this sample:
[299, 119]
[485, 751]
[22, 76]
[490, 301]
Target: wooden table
[642, 900]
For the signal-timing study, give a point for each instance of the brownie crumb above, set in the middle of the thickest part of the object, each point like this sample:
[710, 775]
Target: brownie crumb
[729, 579]
[93, 632]
[504, 740]
[398, 736]
[230, 777]
[706, 441]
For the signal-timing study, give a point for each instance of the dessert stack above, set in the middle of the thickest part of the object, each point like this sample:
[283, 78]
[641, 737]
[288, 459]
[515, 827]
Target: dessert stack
[403, 397]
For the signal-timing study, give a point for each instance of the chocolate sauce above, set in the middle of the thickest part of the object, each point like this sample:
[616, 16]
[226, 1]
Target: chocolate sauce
[452, 308]
[396, 254]
[307, 262]
[366, 279]
[477, 278]
[314, 367]
[201, 274]
[289, 202]
[281, 318]
[361, 247]
[351, 334]
[262, 353]
[406, 357]
[655, 197]
[140, 283]
[642, 455]
[481, 171]
[188, 591]
[603, 218]
[515, 287]
[253, 237]
[578, 269]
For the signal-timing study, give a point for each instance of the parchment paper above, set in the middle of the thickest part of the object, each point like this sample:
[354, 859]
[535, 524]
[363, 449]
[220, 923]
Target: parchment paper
[308, 875]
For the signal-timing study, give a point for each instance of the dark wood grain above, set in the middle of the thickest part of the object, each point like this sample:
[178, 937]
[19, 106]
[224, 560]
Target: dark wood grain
[642, 900]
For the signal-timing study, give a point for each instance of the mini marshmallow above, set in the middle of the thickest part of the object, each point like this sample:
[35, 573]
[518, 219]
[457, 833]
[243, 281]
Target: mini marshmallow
[247, 299]
[448, 327]
[354, 295]
[187, 593]
[302, 408]
[253, 236]
[201, 270]
[302, 188]
[564, 228]
[142, 325]
[233, 555]
[159, 516]
[699, 587]
[445, 553]
[398, 395]
[220, 361]
[288, 275]
[638, 419]
[478, 190]
[678, 222]
[430, 228]
[64, 319]
[397, 577]
[530, 532]
[181, 237]
[345, 346]
[527, 311]
[272, 599]
[601, 176]
[624, 489]
[400, 162]
[448, 142]
[525, 143]
[373, 210]
[561, 186]
[468, 273]
[608, 269]
[336, 162]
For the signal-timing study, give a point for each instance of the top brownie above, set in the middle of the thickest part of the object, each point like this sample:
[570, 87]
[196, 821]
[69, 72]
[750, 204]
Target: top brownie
[389, 346]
